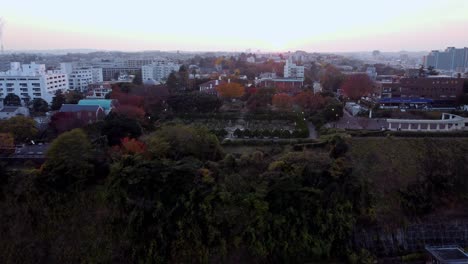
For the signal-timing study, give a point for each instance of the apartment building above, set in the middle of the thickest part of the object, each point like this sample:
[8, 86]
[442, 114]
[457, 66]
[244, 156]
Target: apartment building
[80, 78]
[30, 81]
[158, 70]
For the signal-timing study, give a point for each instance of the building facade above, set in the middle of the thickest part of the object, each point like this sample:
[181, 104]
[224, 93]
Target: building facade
[452, 59]
[158, 71]
[31, 81]
[439, 89]
[291, 70]
[80, 78]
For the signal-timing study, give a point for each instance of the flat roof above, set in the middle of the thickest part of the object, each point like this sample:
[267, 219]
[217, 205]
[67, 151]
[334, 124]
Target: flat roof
[404, 100]
[448, 254]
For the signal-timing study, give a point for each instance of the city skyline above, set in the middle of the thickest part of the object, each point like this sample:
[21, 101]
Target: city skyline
[207, 25]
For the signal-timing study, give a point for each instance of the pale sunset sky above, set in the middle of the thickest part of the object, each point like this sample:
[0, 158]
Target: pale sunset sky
[218, 25]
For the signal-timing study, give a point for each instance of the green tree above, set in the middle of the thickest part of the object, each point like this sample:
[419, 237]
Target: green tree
[12, 100]
[138, 80]
[117, 126]
[185, 141]
[39, 105]
[22, 128]
[73, 97]
[57, 101]
[68, 162]
[172, 82]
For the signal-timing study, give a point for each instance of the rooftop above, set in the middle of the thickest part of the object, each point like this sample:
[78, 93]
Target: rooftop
[448, 254]
[79, 108]
[106, 104]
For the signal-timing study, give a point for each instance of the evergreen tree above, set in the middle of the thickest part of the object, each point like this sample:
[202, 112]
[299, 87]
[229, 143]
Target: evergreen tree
[57, 101]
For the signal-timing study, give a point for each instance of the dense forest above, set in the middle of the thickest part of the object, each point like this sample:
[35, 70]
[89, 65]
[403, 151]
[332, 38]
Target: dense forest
[176, 196]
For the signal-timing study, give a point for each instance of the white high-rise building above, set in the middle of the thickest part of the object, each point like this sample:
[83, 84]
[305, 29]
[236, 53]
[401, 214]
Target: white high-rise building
[158, 71]
[30, 81]
[80, 77]
[293, 71]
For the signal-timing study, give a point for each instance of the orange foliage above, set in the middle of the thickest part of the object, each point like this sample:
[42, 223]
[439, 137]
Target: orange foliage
[132, 146]
[309, 101]
[356, 86]
[282, 101]
[230, 90]
[7, 143]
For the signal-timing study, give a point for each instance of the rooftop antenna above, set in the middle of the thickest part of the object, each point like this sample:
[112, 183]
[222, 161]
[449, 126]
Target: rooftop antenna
[2, 23]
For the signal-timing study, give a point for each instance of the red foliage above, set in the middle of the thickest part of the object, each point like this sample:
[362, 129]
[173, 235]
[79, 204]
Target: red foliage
[309, 101]
[282, 101]
[130, 111]
[126, 98]
[356, 86]
[129, 146]
[132, 146]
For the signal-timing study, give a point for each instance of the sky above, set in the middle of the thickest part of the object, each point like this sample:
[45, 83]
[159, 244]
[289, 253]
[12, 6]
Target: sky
[219, 25]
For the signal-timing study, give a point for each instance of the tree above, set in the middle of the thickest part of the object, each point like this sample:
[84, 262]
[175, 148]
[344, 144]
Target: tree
[431, 71]
[282, 101]
[309, 101]
[261, 99]
[68, 162]
[230, 90]
[130, 111]
[356, 86]
[58, 100]
[12, 100]
[39, 105]
[331, 78]
[138, 79]
[185, 141]
[172, 82]
[118, 126]
[7, 144]
[22, 128]
[73, 97]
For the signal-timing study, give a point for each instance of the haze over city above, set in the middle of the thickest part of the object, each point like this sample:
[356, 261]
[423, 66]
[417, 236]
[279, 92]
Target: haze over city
[208, 25]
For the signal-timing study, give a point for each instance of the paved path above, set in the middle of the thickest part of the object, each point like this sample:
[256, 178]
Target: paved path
[312, 130]
[352, 122]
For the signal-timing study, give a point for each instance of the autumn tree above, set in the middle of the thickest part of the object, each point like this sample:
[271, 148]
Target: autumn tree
[7, 143]
[230, 90]
[309, 101]
[356, 86]
[282, 101]
[331, 78]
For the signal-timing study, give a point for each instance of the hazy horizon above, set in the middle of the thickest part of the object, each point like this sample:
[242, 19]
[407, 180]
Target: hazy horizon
[207, 25]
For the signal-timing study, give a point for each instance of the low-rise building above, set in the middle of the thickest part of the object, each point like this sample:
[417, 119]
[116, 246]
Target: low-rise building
[86, 114]
[441, 90]
[106, 104]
